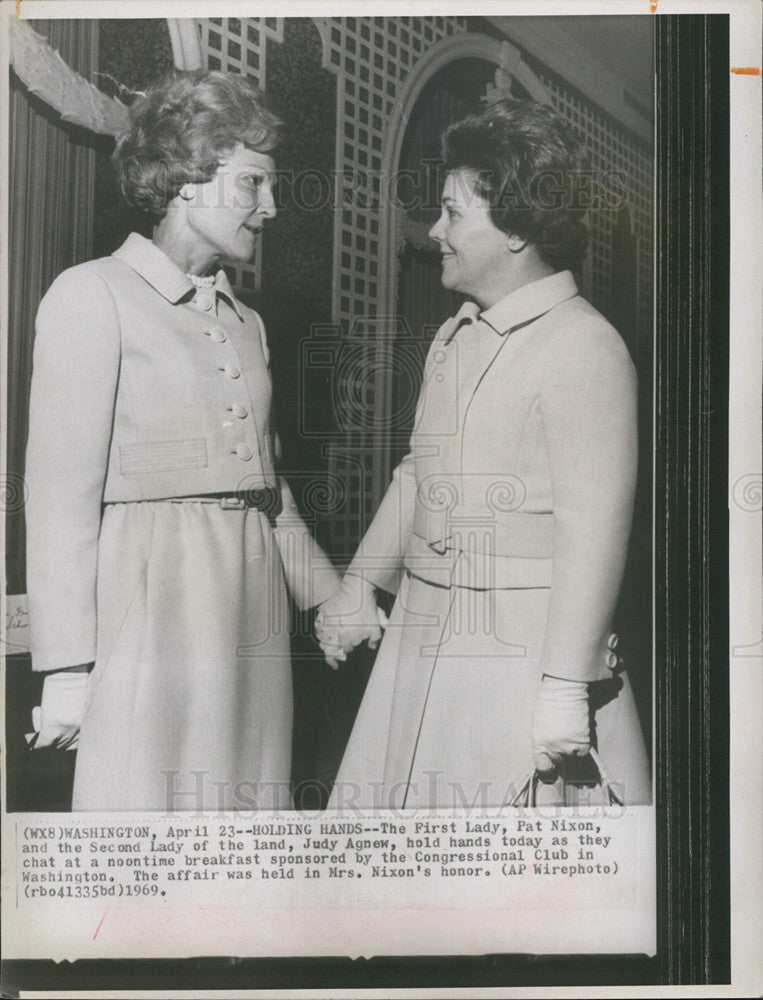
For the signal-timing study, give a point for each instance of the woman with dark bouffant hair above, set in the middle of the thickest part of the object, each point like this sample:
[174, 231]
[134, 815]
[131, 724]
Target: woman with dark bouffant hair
[506, 527]
[161, 538]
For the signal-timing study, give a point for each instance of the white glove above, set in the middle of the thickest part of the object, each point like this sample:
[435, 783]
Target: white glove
[561, 722]
[349, 617]
[62, 709]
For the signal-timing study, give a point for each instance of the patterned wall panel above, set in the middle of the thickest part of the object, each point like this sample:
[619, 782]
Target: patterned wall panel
[614, 151]
[234, 45]
[371, 58]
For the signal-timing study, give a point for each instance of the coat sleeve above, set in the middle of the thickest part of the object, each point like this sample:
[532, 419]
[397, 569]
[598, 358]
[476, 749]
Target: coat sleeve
[379, 558]
[380, 555]
[74, 380]
[588, 406]
[310, 574]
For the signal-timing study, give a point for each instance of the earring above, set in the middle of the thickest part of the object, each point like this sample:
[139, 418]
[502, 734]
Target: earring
[186, 192]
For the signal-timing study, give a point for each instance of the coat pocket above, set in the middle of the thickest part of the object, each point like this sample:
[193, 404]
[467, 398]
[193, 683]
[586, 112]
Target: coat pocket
[162, 456]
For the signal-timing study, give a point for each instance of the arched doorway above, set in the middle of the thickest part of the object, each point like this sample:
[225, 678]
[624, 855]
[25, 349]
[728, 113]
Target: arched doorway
[453, 89]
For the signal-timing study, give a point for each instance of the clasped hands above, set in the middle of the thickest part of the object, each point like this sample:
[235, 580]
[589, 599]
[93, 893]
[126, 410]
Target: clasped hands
[350, 616]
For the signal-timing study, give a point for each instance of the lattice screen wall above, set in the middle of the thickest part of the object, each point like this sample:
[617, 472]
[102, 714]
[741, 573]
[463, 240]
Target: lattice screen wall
[240, 46]
[371, 57]
[613, 149]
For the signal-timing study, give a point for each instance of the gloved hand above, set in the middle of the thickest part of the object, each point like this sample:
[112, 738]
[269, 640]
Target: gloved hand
[59, 716]
[347, 618]
[561, 723]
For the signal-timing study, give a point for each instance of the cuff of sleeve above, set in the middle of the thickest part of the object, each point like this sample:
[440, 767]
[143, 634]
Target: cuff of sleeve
[325, 581]
[586, 663]
[383, 577]
[47, 658]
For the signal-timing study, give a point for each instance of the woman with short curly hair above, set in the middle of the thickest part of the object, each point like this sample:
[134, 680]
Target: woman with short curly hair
[181, 128]
[506, 527]
[161, 539]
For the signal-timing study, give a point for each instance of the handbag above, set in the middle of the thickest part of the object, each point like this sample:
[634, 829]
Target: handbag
[572, 783]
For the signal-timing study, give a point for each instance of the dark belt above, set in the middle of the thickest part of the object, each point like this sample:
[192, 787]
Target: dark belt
[266, 499]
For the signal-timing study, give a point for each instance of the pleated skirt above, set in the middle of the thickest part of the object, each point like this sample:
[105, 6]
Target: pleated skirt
[446, 717]
[190, 700]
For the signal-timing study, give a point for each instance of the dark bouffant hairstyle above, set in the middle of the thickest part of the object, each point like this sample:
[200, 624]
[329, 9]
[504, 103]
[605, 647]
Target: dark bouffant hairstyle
[182, 128]
[533, 170]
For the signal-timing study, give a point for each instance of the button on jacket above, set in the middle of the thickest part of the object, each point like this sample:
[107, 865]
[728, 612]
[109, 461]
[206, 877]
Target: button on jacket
[511, 516]
[144, 388]
[522, 467]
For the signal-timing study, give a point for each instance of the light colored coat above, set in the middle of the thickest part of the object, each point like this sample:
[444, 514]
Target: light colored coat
[145, 390]
[508, 523]
[141, 396]
[522, 467]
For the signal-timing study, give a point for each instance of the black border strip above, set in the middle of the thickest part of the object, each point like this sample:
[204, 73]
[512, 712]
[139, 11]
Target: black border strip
[692, 535]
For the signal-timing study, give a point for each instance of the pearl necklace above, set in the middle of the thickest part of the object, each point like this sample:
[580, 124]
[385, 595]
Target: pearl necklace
[202, 280]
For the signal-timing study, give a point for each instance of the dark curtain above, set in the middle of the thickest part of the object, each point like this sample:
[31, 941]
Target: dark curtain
[51, 168]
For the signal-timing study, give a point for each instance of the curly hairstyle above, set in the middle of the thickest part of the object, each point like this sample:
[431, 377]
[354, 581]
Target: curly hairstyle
[533, 171]
[181, 129]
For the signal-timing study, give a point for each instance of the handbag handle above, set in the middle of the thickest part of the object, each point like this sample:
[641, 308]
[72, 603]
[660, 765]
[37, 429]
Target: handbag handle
[526, 796]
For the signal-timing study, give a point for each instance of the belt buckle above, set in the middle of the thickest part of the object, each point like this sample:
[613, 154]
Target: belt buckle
[232, 503]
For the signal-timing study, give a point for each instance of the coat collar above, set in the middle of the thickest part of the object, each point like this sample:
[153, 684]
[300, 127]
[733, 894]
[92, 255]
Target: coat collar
[530, 301]
[522, 306]
[153, 265]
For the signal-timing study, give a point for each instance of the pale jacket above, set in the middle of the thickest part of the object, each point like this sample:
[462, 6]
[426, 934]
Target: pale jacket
[522, 467]
[143, 389]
